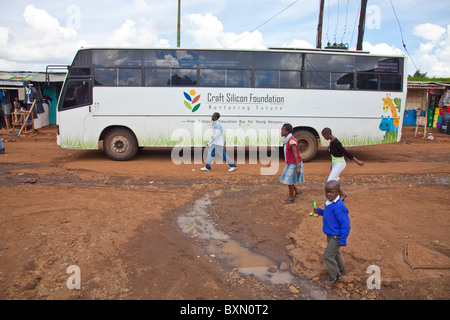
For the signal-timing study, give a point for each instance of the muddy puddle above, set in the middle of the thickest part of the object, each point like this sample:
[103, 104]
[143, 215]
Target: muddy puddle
[197, 224]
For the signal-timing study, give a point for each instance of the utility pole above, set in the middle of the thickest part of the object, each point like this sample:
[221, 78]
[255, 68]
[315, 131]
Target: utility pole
[362, 23]
[319, 26]
[179, 24]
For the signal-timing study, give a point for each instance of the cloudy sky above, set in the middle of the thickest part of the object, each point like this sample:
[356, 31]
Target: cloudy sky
[34, 34]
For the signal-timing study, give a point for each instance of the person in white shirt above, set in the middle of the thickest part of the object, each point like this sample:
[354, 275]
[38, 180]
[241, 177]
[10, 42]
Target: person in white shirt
[216, 145]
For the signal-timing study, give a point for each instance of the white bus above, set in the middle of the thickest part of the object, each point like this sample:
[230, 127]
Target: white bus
[134, 98]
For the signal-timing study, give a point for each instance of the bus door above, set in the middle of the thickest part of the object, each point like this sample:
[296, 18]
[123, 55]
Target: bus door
[75, 106]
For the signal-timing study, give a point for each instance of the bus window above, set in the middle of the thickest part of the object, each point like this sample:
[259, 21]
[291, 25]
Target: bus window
[225, 59]
[184, 77]
[160, 58]
[329, 80]
[323, 62]
[105, 76]
[187, 59]
[115, 58]
[170, 58]
[378, 64]
[239, 78]
[278, 60]
[212, 77]
[113, 77]
[80, 72]
[277, 79]
[157, 77]
[290, 79]
[368, 81]
[390, 65]
[390, 82]
[130, 77]
[267, 79]
[83, 59]
[77, 93]
[225, 78]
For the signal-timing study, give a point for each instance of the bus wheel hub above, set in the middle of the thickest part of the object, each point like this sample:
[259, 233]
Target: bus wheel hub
[119, 145]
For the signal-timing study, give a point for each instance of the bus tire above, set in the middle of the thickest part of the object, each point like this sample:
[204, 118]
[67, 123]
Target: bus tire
[120, 144]
[307, 143]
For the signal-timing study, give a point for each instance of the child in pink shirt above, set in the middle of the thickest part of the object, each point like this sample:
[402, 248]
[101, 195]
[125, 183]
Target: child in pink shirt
[293, 172]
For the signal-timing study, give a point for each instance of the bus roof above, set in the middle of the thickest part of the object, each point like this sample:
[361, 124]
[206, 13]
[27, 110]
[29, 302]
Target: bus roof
[303, 50]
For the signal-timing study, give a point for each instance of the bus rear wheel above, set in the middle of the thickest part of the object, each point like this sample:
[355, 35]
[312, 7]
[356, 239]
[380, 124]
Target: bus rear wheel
[120, 144]
[307, 144]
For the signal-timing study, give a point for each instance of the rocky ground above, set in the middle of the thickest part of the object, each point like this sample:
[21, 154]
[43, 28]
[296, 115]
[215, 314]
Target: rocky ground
[119, 223]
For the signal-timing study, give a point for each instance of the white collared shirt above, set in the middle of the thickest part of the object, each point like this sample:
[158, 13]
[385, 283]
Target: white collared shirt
[328, 202]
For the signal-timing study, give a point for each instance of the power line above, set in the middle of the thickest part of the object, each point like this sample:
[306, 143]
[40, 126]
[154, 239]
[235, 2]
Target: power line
[337, 22]
[354, 26]
[401, 33]
[345, 26]
[328, 22]
[263, 23]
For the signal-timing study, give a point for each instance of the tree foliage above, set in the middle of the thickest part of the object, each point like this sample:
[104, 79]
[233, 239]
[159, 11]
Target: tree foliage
[422, 76]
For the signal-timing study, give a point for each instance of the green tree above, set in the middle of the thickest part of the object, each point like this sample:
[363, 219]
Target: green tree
[418, 74]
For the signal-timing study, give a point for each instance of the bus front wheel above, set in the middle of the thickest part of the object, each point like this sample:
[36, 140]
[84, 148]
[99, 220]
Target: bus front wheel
[307, 144]
[120, 144]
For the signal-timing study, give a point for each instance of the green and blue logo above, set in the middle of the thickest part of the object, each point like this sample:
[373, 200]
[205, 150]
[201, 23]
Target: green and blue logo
[191, 100]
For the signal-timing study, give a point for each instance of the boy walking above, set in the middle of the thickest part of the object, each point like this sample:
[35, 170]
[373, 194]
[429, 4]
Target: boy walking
[336, 225]
[216, 145]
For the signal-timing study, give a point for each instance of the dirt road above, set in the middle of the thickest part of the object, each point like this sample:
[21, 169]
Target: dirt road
[121, 223]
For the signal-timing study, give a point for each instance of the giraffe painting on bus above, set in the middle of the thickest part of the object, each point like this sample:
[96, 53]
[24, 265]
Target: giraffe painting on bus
[390, 123]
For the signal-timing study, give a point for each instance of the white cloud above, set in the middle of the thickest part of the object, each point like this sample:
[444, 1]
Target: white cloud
[298, 44]
[4, 36]
[140, 5]
[433, 56]
[382, 49]
[208, 32]
[133, 34]
[246, 40]
[43, 41]
[428, 31]
[39, 19]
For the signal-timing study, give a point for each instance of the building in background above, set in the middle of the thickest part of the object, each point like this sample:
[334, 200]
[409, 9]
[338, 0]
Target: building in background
[12, 85]
[426, 99]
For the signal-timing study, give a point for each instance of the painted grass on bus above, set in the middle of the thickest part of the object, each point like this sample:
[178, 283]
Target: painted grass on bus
[230, 141]
[78, 143]
[353, 142]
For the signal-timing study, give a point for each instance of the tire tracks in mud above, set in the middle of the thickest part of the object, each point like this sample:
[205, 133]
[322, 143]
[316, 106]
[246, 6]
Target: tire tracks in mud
[19, 174]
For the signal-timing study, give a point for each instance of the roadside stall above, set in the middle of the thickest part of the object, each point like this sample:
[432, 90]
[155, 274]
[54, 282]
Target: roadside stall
[428, 104]
[13, 98]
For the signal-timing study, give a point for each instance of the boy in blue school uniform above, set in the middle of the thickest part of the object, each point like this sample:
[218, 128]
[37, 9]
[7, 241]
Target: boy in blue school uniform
[336, 225]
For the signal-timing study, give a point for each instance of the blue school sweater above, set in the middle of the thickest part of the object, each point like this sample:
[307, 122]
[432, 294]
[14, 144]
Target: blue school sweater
[335, 220]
